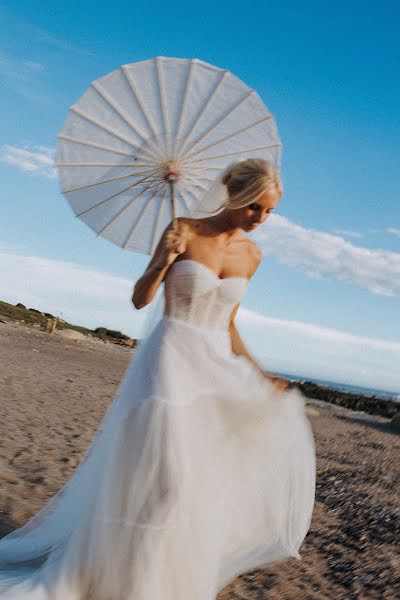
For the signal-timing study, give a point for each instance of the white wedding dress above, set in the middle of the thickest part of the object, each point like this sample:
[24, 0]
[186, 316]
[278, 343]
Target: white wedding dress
[199, 471]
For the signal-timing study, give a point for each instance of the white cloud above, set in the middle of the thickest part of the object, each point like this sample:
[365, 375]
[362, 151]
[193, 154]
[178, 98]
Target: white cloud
[393, 230]
[85, 296]
[7, 247]
[51, 40]
[313, 351]
[23, 76]
[322, 254]
[354, 234]
[82, 294]
[33, 66]
[30, 159]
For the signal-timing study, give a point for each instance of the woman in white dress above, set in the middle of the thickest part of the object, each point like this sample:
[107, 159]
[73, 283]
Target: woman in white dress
[204, 465]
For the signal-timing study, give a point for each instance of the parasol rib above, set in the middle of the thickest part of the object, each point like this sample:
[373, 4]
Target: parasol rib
[186, 173]
[157, 226]
[74, 140]
[194, 179]
[164, 105]
[200, 168]
[135, 164]
[90, 185]
[205, 106]
[123, 209]
[105, 127]
[183, 201]
[220, 120]
[184, 104]
[190, 193]
[192, 186]
[125, 117]
[113, 196]
[139, 100]
[230, 136]
[145, 208]
[238, 152]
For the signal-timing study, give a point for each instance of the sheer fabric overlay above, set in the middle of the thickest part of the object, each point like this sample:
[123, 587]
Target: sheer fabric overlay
[199, 471]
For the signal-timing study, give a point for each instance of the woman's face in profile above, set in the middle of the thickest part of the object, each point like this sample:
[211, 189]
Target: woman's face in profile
[251, 216]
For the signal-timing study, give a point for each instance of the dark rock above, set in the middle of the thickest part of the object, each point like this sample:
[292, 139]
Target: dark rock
[395, 422]
[36, 480]
[369, 404]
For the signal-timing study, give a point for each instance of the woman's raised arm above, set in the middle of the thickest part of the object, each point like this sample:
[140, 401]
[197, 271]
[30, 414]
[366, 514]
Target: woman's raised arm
[171, 244]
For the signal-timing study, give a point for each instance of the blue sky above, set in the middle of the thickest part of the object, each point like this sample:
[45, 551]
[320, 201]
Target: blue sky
[325, 301]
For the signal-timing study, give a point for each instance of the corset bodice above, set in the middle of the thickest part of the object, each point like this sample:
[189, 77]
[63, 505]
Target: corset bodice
[195, 294]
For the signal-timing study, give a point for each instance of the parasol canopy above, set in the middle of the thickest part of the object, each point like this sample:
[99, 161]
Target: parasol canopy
[144, 144]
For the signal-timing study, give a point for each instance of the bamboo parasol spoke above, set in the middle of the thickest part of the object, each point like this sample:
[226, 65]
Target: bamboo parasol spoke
[84, 212]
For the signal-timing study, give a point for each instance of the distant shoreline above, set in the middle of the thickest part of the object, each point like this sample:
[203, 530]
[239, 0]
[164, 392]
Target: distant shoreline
[345, 387]
[33, 317]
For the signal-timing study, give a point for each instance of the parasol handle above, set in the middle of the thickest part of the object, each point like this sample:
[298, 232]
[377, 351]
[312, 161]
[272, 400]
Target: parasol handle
[171, 178]
[172, 200]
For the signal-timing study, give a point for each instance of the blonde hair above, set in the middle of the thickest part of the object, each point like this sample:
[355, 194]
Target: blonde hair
[247, 180]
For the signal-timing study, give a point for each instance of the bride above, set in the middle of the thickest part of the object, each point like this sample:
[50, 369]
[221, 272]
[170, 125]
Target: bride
[204, 465]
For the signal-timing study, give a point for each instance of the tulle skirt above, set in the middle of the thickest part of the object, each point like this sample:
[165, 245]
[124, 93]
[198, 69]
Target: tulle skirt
[199, 471]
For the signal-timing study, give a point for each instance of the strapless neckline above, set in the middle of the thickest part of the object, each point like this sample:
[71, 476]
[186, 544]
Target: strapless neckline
[209, 270]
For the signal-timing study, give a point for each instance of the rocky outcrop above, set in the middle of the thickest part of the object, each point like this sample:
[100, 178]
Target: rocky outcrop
[395, 422]
[126, 342]
[370, 404]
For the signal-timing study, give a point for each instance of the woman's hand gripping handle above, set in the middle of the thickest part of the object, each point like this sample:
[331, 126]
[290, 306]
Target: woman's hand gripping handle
[172, 243]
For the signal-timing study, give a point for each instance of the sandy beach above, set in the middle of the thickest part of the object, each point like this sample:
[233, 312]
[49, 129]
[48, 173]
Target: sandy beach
[54, 392]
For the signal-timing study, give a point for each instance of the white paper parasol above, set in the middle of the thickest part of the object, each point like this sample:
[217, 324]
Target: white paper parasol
[144, 143]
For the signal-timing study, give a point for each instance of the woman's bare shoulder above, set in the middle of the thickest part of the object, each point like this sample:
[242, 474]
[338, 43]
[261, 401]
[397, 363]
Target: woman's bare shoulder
[256, 251]
[253, 249]
[255, 254]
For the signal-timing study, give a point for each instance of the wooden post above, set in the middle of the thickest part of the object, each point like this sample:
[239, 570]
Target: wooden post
[51, 324]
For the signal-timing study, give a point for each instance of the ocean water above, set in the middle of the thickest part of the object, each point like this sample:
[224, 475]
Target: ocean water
[344, 387]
